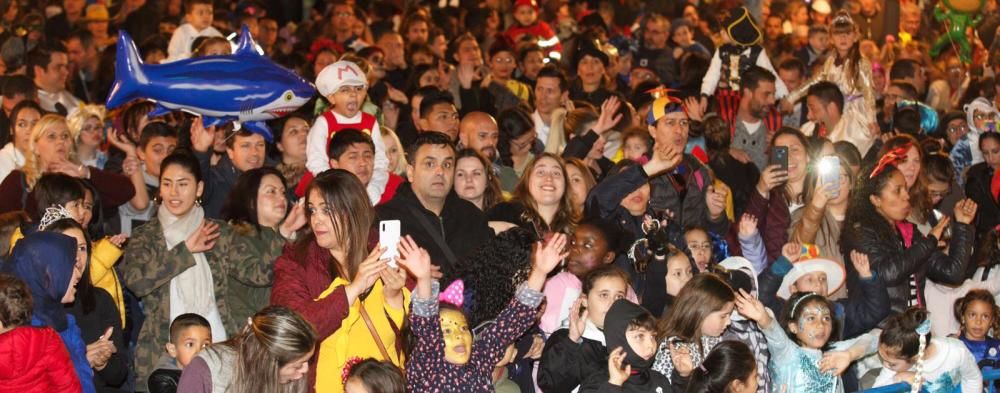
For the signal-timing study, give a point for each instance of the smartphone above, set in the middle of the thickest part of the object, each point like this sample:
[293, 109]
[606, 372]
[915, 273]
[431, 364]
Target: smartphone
[388, 237]
[829, 173]
[779, 156]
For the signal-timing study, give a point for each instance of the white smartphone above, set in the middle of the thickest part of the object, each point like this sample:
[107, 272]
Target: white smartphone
[388, 237]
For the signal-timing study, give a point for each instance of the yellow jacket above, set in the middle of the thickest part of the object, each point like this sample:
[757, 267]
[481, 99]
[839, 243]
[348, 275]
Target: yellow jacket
[354, 340]
[102, 273]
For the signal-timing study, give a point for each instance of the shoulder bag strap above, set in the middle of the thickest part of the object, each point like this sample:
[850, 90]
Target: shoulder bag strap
[371, 329]
[436, 235]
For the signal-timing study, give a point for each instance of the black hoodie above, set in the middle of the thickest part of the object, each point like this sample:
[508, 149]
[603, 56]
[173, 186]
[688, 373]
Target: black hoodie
[643, 378]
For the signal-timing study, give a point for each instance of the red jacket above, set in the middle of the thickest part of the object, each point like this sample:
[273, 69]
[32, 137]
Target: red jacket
[33, 360]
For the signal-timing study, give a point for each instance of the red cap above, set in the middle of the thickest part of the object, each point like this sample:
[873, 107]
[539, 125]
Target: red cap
[530, 3]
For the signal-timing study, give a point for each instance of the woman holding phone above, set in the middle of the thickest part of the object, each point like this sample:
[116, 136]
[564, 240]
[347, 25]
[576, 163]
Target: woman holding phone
[827, 190]
[779, 190]
[338, 284]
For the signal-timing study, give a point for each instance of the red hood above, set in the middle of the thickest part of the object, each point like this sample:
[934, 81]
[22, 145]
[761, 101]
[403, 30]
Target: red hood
[26, 354]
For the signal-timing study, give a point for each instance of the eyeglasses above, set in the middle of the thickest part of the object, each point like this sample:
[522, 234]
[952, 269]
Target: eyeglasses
[952, 130]
[503, 60]
[939, 193]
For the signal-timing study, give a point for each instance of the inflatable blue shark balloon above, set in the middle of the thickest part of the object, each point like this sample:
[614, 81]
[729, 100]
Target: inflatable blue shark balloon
[244, 87]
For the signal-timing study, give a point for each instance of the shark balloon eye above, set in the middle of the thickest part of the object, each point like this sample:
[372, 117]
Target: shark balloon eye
[288, 96]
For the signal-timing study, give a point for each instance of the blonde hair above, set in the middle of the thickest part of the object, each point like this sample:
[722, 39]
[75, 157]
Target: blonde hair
[400, 168]
[77, 118]
[32, 167]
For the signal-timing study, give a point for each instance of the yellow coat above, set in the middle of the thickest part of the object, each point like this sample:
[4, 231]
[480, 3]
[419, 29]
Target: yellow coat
[354, 340]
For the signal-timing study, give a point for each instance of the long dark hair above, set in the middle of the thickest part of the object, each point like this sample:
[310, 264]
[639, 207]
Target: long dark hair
[920, 200]
[565, 218]
[241, 203]
[805, 145]
[513, 123]
[274, 337]
[351, 213]
[861, 213]
[704, 294]
[843, 23]
[729, 361]
[21, 106]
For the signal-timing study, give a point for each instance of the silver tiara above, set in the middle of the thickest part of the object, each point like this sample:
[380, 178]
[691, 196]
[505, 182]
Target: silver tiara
[843, 18]
[53, 214]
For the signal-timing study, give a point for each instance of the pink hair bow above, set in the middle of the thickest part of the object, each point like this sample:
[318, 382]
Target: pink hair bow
[454, 294]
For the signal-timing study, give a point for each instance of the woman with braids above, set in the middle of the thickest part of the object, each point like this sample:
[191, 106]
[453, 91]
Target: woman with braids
[852, 72]
[901, 256]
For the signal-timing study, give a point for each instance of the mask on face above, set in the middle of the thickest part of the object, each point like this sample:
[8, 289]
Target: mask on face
[457, 337]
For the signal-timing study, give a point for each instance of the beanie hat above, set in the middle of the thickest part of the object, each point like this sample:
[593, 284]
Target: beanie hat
[530, 3]
[590, 48]
[339, 74]
[741, 27]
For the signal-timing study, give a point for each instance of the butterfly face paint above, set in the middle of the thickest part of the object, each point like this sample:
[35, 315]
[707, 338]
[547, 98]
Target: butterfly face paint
[815, 324]
[457, 337]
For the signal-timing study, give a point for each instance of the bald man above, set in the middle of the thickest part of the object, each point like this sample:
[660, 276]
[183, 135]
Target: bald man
[478, 131]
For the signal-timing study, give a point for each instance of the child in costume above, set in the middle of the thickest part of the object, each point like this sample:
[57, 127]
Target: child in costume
[444, 353]
[345, 86]
[526, 22]
[852, 73]
[742, 48]
[929, 364]
[981, 116]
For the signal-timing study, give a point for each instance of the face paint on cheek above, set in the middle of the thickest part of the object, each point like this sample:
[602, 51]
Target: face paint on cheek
[457, 337]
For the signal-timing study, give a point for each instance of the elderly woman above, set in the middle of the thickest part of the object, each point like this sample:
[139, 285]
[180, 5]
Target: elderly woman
[85, 126]
[49, 150]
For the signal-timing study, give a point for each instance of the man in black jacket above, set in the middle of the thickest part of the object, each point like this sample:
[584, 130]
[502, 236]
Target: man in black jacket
[438, 220]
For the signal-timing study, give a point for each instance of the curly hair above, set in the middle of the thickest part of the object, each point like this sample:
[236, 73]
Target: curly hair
[494, 271]
[982, 295]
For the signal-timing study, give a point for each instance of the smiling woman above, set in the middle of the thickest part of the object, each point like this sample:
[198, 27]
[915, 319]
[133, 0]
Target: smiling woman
[181, 262]
[540, 202]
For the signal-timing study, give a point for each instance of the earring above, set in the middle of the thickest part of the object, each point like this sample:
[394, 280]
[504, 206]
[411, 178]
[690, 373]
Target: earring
[197, 201]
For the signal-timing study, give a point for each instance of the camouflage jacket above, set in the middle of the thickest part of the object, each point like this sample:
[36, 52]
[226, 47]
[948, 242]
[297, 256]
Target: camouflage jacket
[148, 268]
[245, 299]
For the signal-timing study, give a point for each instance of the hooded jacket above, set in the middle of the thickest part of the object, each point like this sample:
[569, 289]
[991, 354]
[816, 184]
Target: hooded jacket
[643, 378]
[34, 360]
[45, 261]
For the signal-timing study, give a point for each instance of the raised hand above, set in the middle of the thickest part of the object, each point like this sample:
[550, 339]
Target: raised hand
[393, 281]
[695, 107]
[295, 220]
[748, 225]
[202, 138]
[545, 257]
[965, 211]
[577, 319]
[616, 374]
[740, 155]
[609, 116]
[664, 158]
[861, 264]
[118, 240]
[119, 141]
[69, 168]
[772, 177]
[715, 199]
[415, 259]
[942, 225]
[752, 308]
[203, 238]
[792, 251]
[368, 271]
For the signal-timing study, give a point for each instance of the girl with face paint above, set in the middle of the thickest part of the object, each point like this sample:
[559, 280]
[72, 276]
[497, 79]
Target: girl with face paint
[444, 353]
[797, 345]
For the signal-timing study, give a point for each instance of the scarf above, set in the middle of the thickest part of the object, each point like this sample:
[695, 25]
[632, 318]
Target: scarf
[193, 290]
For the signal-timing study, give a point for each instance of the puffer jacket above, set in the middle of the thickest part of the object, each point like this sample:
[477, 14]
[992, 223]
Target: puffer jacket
[34, 359]
[893, 262]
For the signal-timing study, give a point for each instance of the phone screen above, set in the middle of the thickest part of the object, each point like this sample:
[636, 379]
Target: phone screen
[388, 237]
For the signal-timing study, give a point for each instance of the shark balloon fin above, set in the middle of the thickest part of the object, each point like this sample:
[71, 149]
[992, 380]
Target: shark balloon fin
[259, 127]
[129, 75]
[159, 110]
[211, 121]
[246, 45]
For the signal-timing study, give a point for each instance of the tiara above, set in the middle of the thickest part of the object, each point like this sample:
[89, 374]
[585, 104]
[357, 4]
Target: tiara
[52, 214]
[843, 18]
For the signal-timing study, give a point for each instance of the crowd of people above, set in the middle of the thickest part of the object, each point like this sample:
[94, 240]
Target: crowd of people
[589, 195]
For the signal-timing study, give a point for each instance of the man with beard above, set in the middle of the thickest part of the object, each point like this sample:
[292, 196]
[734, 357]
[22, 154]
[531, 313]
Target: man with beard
[751, 132]
[478, 131]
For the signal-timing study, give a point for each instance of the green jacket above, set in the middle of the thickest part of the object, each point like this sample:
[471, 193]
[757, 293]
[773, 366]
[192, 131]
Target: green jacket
[148, 268]
[245, 299]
